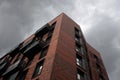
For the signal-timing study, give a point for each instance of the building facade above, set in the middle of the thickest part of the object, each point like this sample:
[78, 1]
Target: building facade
[57, 51]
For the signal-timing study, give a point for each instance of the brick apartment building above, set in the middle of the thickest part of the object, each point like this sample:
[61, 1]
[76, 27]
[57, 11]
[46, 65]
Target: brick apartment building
[57, 51]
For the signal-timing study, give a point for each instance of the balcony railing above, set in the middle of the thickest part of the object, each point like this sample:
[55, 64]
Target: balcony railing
[42, 30]
[4, 64]
[34, 45]
[2, 60]
[25, 45]
[15, 50]
[17, 65]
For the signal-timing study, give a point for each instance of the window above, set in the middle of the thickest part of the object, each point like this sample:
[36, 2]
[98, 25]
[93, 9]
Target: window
[80, 33]
[81, 41]
[84, 64]
[77, 33]
[48, 39]
[76, 30]
[85, 77]
[101, 77]
[44, 37]
[77, 39]
[38, 68]
[80, 61]
[99, 69]
[80, 75]
[78, 46]
[79, 49]
[96, 59]
[44, 52]
[52, 27]
[13, 76]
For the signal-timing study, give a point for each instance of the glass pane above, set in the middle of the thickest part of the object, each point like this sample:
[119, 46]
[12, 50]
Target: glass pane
[40, 69]
[12, 77]
[3, 65]
[78, 76]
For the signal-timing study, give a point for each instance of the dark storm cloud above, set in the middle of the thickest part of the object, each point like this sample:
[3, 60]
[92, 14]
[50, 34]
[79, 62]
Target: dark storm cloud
[99, 20]
[19, 18]
[15, 21]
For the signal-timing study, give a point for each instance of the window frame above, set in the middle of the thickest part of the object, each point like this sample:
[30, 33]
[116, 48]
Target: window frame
[39, 66]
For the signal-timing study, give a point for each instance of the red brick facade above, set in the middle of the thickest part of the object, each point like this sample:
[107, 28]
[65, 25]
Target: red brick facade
[66, 56]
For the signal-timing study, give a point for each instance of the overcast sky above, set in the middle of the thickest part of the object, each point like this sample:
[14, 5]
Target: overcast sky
[99, 20]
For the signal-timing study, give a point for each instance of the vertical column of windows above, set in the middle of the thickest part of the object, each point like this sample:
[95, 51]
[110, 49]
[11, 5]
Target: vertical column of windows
[80, 61]
[78, 41]
[98, 67]
[44, 50]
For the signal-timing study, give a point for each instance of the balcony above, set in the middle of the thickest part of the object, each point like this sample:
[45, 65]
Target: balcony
[16, 66]
[4, 63]
[25, 45]
[42, 30]
[14, 51]
[3, 67]
[31, 45]
[31, 49]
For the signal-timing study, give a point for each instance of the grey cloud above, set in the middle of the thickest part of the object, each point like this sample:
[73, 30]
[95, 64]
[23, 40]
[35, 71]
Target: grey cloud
[15, 21]
[101, 36]
[20, 18]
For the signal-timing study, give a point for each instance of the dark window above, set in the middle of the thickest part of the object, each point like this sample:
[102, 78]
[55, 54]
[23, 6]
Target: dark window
[80, 75]
[48, 39]
[76, 30]
[52, 27]
[101, 77]
[42, 30]
[96, 59]
[79, 49]
[44, 37]
[77, 33]
[38, 69]
[80, 61]
[44, 52]
[81, 41]
[99, 69]
[26, 45]
[76, 39]
[13, 76]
